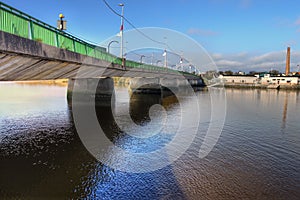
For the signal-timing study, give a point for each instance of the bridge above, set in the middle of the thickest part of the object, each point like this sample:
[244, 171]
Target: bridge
[33, 50]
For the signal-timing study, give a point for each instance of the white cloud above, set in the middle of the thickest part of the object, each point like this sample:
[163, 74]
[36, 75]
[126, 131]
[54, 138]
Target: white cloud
[217, 56]
[248, 62]
[228, 63]
[268, 57]
[242, 54]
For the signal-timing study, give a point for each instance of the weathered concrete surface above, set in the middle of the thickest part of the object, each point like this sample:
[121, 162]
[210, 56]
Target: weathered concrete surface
[144, 83]
[157, 85]
[196, 82]
[85, 90]
[24, 59]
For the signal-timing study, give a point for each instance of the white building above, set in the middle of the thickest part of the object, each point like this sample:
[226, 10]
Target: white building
[239, 79]
[265, 80]
[280, 80]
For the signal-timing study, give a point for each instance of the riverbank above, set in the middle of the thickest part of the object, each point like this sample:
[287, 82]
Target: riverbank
[261, 86]
[58, 82]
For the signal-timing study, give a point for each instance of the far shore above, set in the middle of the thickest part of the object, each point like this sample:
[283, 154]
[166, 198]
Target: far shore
[261, 86]
[64, 83]
[58, 82]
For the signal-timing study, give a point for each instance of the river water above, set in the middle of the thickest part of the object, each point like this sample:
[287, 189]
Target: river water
[256, 157]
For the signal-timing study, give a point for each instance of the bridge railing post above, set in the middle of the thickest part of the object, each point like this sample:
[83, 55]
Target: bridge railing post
[86, 50]
[74, 47]
[31, 30]
[57, 41]
[124, 63]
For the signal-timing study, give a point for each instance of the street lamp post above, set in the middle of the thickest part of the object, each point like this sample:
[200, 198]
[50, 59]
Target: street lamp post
[121, 30]
[61, 16]
[142, 56]
[152, 56]
[165, 53]
[180, 62]
[158, 61]
[166, 59]
[61, 23]
[108, 46]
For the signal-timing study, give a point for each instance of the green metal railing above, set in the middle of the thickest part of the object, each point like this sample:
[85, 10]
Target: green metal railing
[16, 22]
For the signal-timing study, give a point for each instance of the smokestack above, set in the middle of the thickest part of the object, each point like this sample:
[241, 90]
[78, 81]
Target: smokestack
[288, 61]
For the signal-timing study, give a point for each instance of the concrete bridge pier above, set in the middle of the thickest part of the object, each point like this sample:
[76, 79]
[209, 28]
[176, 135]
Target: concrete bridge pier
[160, 85]
[196, 82]
[145, 85]
[167, 84]
[86, 90]
[153, 85]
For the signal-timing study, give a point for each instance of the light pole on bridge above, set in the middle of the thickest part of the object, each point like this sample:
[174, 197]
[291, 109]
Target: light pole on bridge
[108, 46]
[158, 61]
[61, 23]
[121, 31]
[166, 59]
[142, 56]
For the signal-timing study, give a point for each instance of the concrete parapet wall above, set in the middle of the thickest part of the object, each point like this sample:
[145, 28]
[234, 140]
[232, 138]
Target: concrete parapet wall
[15, 44]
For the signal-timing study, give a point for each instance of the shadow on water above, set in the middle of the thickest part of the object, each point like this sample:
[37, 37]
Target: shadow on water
[48, 160]
[140, 105]
[122, 185]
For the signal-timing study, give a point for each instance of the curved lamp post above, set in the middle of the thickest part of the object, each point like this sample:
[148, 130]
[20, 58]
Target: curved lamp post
[108, 46]
[158, 61]
[121, 30]
[142, 56]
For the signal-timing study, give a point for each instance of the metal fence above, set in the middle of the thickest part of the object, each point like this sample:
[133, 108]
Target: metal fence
[16, 22]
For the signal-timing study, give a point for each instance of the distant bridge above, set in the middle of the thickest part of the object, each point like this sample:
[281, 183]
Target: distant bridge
[33, 50]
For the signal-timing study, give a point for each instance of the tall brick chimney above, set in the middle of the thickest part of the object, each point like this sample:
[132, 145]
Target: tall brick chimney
[288, 61]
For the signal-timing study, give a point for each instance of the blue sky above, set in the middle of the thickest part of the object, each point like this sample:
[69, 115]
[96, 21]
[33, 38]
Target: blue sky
[238, 34]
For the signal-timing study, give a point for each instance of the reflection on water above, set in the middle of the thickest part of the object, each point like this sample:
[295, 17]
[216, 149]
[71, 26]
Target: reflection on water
[285, 107]
[257, 156]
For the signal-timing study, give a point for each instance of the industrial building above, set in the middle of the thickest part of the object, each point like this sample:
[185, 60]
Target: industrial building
[239, 79]
[265, 79]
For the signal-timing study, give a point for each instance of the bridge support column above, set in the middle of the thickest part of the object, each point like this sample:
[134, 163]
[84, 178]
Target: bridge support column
[167, 83]
[196, 82]
[145, 85]
[162, 85]
[99, 90]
